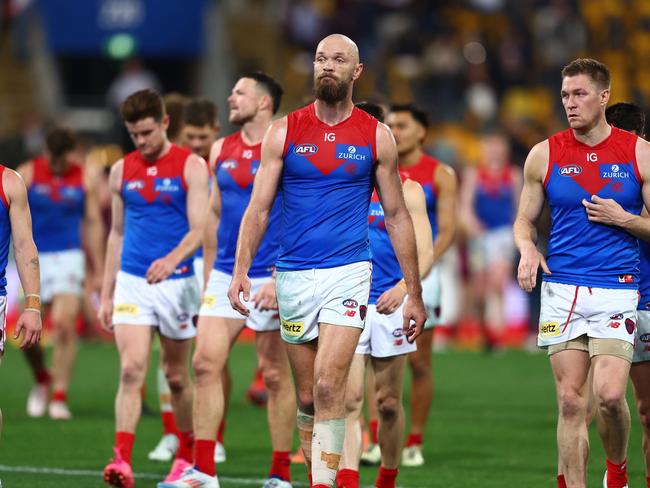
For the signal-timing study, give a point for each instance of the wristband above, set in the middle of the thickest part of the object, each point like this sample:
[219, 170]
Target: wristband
[32, 301]
[32, 310]
[402, 285]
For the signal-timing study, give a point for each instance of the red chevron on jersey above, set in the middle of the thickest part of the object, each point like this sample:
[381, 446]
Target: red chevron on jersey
[239, 160]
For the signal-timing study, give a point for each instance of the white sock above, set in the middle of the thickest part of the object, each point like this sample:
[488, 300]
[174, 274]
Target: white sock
[327, 446]
[164, 393]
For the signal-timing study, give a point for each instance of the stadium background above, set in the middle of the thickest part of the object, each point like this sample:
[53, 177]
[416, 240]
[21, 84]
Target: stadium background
[474, 65]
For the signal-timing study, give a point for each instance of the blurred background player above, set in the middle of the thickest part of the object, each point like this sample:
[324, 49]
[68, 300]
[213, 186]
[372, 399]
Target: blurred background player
[234, 160]
[327, 148]
[488, 201]
[160, 193]
[382, 341]
[197, 130]
[409, 125]
[64, 205]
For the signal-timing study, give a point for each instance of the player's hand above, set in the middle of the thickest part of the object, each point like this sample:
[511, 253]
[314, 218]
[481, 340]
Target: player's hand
[30, 323]
[240, 284]
[531, 260]
[160, 270]
[605, 211]
[415, 315]
[105, 314]
[390, 300]
[265, 298]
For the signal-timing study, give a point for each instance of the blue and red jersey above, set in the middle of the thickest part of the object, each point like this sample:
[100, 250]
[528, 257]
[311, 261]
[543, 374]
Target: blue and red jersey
[494, 200]
[5, 235]
[155, 210]
[57, 204]
[581, 252]
[235, 171]
[386, 271]
[424, 172]
[326, 187]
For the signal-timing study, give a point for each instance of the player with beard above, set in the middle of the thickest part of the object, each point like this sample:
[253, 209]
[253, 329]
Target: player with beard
[323, 160]
[591, 273]
[235, 159]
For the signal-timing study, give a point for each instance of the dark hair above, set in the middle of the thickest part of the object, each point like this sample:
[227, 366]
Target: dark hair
[417, 113]
[374, 109]
[60, 140]
[174, 105]
[200, 112]
[596, 70]
[626, 116]
[143, 104]
[269, 85]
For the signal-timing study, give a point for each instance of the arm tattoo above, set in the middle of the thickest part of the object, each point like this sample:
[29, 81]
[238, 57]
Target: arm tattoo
[34, 262]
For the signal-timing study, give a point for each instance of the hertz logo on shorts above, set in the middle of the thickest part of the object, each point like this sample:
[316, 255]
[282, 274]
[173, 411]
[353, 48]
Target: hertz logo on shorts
[208, 300]
[292, 329]
[126, 309]
[549, 329]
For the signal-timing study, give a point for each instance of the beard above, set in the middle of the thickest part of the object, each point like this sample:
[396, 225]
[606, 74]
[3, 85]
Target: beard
[331, 92]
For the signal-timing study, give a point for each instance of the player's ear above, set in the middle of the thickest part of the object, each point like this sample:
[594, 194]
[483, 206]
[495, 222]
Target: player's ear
[165, 122]
[604, 97]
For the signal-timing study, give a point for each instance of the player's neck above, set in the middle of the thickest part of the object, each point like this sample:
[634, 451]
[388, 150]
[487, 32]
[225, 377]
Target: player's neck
[163, 151]
[593, 135]
[252, 132]
[58, 168]
[411, 158]
[332, 114]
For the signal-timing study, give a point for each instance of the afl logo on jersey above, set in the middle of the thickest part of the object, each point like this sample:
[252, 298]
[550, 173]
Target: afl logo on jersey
[306, 149]
[570, 170]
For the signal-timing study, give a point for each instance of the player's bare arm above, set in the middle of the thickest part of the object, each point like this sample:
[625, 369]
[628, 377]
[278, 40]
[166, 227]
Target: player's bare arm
[531, 204]
[214, 214]
[256, 217]
[471, 223]
[93, 227]
[416, 203]
[26, 172]
[446, 184]
[26, 257]
[400, 229]
[113, 246]
[196, 176]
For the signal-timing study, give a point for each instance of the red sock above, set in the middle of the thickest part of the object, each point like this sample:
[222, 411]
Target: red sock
[42, 377]
[59, 396]
[648, 481]
[222, 428]
[319, 485]
[386, 477]
[204, 456]
[185, 446]
[561, 483]
[414, 440]
[373, 425]
[347, 478]
[281, 465]
[310, 485]
[169, 424]
[616, 474]
[124, 443]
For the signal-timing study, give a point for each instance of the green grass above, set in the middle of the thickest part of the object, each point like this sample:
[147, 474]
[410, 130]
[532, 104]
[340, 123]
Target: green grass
[492, 425]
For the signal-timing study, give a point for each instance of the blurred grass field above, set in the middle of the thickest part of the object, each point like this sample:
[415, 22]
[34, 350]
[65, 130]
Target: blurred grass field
[492, 425]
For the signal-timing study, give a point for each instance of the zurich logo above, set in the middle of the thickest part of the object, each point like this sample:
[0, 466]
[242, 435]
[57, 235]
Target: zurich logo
[615, 168]
[306, 149]
[352, 149]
